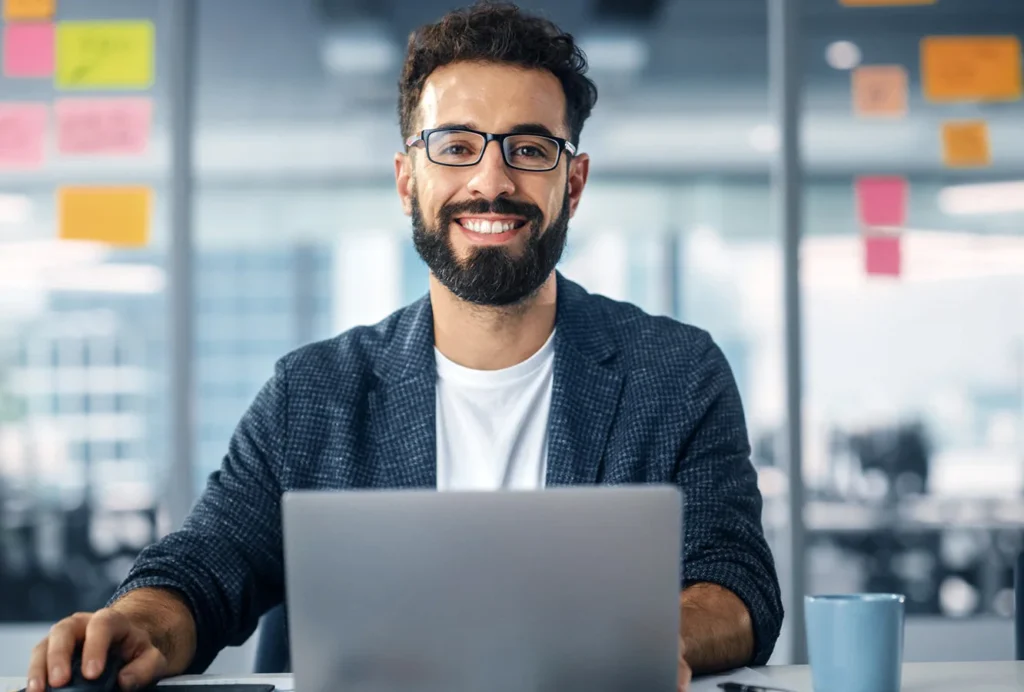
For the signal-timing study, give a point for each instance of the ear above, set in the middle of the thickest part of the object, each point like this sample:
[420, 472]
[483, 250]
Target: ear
[579, 169]
[403, 181]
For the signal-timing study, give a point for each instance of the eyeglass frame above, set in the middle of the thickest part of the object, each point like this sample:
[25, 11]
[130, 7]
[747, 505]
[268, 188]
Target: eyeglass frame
[563, 145]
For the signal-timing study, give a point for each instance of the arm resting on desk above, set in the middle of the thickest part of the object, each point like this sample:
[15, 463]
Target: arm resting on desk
[226, 561]
[724, 541]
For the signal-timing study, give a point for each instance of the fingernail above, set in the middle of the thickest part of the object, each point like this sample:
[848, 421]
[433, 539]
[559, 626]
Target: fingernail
[33, 685]
[55, 673]
[92, 668]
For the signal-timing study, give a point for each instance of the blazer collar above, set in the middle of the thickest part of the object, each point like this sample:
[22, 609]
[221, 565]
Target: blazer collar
[409, 350]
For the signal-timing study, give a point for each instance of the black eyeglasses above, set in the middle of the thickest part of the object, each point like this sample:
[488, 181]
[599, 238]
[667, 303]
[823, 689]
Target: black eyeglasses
[465, 147]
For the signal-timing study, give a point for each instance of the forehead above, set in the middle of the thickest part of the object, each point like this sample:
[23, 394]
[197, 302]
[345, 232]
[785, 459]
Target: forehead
[492, 97]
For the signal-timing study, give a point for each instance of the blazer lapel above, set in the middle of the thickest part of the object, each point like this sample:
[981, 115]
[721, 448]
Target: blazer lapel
[586, 390]
[402, 406]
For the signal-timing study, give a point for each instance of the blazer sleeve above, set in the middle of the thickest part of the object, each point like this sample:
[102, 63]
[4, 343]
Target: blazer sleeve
[724, 540]
[227, 559]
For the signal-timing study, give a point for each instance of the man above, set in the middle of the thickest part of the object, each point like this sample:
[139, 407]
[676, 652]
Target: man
[506, 376]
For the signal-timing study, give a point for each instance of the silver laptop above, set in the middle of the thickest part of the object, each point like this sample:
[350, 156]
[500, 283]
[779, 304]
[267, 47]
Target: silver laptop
[562, 590]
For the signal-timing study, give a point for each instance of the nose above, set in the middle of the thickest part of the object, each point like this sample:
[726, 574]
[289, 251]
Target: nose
[491, 176]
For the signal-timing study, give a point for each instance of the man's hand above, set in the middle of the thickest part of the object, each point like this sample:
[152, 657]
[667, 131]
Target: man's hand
[684, 668]
[151, 629]
[103, 631]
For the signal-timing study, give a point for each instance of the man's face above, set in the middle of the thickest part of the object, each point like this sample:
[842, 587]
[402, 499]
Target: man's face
[456, 211]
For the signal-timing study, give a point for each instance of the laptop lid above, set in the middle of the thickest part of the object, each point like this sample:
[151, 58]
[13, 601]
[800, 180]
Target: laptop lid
[563, 589]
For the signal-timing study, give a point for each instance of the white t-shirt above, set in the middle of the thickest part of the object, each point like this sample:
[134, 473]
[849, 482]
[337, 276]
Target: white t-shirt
[492, 425]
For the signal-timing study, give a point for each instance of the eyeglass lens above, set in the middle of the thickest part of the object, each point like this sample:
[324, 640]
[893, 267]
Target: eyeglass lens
[459, 148]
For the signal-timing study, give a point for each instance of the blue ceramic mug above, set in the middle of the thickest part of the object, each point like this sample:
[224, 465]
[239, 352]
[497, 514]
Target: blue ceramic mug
[855, 641]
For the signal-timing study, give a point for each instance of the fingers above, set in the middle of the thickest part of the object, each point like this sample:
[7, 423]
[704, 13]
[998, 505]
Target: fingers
[143, 670]
[685, 674]
[60, 646]
[37, 667]
[105, 627]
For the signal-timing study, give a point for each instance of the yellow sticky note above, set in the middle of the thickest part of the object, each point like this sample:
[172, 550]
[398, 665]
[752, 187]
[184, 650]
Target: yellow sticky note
[971, 68]
[965, 143]
[880, 91]
[114, 215]
[20, 10]
[885, 3]
[113, 55]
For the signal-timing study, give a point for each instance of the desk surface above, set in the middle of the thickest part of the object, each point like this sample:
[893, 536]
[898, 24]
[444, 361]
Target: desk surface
[1003, 676]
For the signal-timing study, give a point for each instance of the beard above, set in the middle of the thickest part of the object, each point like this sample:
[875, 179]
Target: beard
[492, 276]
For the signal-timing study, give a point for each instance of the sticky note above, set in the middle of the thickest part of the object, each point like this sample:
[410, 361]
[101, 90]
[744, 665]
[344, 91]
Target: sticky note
[22, 134]
[114, 215]
[965, 143]
[971, 68]
[881, 200]
[28, 50]
[20, 10]
[103, 126]
[880, 91]
[105, 55]
[885, 3]
[882, 255]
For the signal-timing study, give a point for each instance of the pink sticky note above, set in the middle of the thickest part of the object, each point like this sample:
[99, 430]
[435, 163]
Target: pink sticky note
[103, 126]
[28, 50]
[22, 134]
[882, 255]
[882, 201]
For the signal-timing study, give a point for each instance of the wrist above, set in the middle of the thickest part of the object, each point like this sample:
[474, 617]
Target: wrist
[167, 618]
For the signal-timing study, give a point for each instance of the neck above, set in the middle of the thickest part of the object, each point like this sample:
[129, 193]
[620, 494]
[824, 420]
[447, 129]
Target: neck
[490, 338]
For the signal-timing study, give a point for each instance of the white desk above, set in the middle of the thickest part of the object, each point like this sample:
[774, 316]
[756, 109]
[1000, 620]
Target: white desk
[1003, 676]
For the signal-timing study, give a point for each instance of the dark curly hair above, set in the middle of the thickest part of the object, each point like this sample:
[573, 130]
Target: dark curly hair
[500, 33]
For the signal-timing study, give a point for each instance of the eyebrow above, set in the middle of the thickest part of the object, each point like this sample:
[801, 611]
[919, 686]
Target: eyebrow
[521, 129]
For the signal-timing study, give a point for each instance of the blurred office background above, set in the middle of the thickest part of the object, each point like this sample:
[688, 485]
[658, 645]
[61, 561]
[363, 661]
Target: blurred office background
[913, 398]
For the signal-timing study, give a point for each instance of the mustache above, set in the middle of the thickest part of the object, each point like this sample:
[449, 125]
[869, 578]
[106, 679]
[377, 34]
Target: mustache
[501, 205]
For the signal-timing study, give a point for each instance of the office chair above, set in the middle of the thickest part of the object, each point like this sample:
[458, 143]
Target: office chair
[273, 652]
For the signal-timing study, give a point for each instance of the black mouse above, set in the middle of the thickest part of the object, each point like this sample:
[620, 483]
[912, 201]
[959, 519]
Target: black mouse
[106, 682]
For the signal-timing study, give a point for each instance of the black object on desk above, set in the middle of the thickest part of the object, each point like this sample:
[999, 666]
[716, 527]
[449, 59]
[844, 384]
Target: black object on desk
[214, 687]
[106, 682]
[189, 687]
[743, 687]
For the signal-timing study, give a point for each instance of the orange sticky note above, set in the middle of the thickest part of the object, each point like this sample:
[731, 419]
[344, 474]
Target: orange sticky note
[880, 91]
[22, 134]
[20, 10]
[103, 126]
[28, 50]
[885, 3]
[965, 143]
[971, 68]
[114, 215]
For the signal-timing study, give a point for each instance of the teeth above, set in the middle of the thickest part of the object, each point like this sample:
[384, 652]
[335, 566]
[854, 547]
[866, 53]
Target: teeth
[484, 226]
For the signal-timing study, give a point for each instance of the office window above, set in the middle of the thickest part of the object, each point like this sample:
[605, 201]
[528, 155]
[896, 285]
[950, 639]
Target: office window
[913, 407]
[59, 302]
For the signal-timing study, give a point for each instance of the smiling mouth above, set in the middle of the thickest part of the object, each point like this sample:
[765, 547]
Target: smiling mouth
[490, 226]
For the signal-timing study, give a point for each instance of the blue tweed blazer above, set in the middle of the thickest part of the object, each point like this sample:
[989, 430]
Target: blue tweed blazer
[636, 399]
